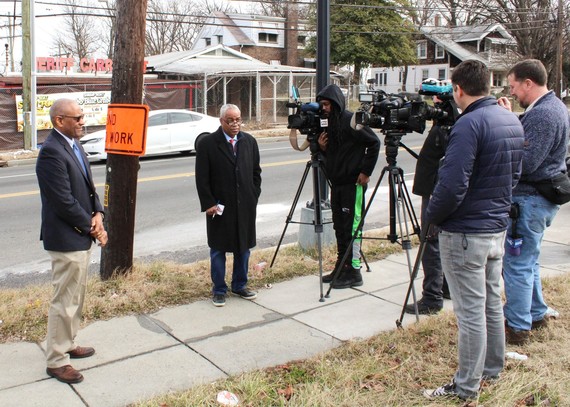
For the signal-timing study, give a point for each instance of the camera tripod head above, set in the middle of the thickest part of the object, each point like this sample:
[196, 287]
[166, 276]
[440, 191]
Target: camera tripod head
[392, 141]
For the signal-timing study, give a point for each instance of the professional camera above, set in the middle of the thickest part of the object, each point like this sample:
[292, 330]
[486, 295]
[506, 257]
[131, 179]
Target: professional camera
[396, 113]
[308, 117]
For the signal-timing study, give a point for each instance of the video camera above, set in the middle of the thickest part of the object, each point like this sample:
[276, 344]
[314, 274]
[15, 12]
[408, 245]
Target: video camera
[396, 113]
[308, 117]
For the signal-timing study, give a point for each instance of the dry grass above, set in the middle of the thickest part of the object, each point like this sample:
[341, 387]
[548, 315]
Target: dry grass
[150, 287]
[391, 369]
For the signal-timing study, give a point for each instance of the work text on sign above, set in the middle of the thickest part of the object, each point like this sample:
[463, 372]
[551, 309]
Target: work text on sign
[126, 129]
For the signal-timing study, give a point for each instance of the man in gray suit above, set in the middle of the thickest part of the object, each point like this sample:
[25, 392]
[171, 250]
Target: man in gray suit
[72, 219]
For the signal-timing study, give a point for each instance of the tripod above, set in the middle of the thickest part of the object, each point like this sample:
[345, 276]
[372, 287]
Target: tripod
[401, 209]
[316, 163]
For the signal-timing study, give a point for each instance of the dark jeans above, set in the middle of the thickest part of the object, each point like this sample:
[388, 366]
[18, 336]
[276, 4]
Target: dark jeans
[218, 271]
[432, 286]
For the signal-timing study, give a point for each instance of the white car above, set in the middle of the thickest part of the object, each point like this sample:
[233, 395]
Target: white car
[169, 131]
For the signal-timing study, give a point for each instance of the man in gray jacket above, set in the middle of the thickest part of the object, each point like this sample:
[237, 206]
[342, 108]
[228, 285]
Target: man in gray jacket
[546, 126]
[470, 204]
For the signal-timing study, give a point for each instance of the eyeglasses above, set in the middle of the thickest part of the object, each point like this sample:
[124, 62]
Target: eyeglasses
[76, 118]
[237, 122]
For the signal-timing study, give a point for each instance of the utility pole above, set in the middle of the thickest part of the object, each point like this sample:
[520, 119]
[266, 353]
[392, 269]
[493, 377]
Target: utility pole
[122, 170]
[559, 35]
[27, 73]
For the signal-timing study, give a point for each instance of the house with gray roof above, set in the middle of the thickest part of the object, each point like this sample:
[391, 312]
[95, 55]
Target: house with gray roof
[273, 40]
[440, 49]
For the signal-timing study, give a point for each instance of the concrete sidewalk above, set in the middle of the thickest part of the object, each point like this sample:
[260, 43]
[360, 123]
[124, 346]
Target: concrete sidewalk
[176, 348]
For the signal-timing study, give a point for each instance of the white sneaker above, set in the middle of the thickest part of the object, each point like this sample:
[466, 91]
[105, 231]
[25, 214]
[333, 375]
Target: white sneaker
[552, 313]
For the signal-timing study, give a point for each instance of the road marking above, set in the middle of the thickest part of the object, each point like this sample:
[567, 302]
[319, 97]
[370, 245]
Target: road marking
[150, 179]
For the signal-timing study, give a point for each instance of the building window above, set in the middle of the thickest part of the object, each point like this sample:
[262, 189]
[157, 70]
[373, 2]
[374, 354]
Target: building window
[220, 39]
[382, 78]
[441, 74]
[498, 80]
[422, 50]
[208, 41]
[425, 74]
[439, 52]
[267, 37]
[301, 40]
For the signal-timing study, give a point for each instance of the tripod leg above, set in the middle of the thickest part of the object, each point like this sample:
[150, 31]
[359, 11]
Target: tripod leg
[365, 261]
[423, 242]
[318, 218]
[292, 210]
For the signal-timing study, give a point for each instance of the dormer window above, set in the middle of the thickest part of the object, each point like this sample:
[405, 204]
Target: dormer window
[439, 52]
[422, 50]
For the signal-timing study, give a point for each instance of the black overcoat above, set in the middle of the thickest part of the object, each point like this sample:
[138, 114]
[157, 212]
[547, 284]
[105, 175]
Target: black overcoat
[235, 182]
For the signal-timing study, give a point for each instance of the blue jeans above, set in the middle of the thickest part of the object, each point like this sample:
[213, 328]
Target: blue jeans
[523, 288]
[218, 271]
[472, 266]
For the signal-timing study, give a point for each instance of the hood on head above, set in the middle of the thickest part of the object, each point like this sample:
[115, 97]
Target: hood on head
[334, 94]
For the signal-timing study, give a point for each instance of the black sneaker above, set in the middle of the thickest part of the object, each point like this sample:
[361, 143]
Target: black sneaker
[348, 279]
[423, 308]
[246, 294]
[447, 390]
[219, 300]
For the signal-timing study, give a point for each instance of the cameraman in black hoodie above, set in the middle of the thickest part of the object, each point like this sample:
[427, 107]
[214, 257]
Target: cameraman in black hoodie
[350, 156]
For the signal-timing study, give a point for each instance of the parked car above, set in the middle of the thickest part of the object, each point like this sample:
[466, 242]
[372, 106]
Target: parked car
[169, 131]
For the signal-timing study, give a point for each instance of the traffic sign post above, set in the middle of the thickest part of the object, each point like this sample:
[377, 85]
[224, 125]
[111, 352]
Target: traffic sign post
[126, 129]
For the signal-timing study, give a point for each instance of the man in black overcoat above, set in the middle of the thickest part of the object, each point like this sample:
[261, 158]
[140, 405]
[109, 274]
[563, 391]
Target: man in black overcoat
[228, 180]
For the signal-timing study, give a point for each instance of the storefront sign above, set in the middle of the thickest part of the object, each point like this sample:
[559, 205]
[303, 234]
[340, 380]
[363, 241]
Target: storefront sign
[93, 104]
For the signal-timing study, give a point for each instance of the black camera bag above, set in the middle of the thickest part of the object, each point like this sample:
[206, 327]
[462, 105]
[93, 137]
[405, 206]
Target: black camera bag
[556, 189]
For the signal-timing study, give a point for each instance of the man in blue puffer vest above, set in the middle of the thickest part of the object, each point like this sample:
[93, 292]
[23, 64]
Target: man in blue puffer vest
[470, 205]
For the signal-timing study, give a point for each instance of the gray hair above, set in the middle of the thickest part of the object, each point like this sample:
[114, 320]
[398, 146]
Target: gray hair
[226, 107]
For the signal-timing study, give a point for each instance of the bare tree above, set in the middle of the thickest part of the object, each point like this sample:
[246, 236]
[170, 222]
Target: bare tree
[109, 30]
[172, 26]
[533, 25]
[79, 33]
[209, 6]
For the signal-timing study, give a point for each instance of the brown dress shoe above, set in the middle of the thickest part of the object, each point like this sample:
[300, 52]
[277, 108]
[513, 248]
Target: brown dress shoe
[65, 374]
[81, 352]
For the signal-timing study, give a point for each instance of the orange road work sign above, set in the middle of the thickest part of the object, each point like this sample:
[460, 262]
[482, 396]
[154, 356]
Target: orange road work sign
[126, 129]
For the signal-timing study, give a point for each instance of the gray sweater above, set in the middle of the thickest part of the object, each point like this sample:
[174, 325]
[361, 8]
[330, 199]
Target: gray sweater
[546, 131]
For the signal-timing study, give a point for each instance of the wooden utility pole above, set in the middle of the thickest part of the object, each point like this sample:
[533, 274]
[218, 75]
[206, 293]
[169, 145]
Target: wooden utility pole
[559, 42]
[27, 74]
[122, 170]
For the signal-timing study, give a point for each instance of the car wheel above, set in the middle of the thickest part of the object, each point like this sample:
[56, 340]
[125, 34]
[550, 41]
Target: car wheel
[199, 139]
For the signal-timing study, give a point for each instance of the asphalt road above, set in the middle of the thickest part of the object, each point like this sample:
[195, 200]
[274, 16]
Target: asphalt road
[169, 224]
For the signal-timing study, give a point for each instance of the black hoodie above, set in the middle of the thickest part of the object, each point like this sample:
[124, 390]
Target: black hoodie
[349, 151]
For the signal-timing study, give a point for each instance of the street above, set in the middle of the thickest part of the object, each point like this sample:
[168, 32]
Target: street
[169, 224]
